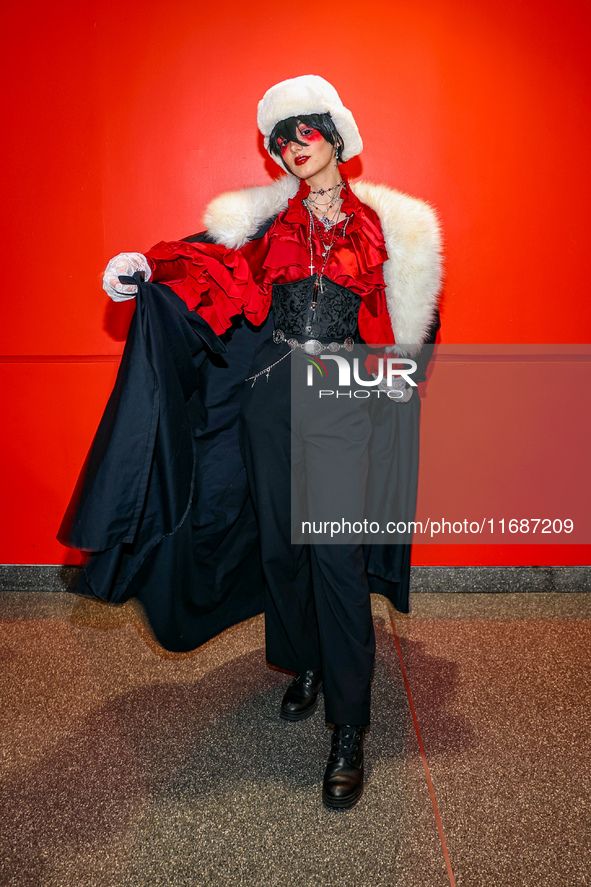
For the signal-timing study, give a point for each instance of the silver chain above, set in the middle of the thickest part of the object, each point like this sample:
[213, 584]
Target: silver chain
[328, 190]
[326, 248]
[267, 370]
[310, 203]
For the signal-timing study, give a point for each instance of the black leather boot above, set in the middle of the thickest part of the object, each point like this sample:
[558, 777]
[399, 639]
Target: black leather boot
[301, 697]
[343, 779]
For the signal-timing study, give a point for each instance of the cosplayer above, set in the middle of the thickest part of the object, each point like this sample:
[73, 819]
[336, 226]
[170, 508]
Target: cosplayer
[194, 454]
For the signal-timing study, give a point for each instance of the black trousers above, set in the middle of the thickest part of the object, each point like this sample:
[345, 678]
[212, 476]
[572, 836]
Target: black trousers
[317, 609]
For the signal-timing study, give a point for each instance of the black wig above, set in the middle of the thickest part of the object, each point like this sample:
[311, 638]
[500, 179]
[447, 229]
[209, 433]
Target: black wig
[287, 129]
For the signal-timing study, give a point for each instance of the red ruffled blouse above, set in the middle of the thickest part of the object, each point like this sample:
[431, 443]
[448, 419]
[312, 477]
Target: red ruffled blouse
[220, 283]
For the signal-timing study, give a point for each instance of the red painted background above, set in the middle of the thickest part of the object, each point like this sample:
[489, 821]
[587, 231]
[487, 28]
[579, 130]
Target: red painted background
[122, 119]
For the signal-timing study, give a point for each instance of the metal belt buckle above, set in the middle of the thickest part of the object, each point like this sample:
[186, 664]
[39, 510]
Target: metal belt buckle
[313, 346]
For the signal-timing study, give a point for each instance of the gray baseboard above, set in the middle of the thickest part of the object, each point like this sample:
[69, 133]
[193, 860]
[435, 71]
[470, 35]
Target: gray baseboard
[28, 577]
[498, 580]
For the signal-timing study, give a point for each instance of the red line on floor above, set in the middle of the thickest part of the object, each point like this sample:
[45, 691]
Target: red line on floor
[450, 873]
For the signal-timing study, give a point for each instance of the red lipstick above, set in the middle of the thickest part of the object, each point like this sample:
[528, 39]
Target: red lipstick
[300, 160]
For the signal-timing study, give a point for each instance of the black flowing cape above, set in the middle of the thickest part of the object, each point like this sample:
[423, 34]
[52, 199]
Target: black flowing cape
[162, 503]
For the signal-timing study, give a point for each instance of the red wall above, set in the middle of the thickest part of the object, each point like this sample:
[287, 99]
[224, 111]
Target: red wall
[124, 118]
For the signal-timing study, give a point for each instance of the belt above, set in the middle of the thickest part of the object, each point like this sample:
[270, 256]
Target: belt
[312, 346]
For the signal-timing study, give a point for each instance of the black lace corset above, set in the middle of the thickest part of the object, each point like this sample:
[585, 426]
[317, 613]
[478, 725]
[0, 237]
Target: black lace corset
[335, 315]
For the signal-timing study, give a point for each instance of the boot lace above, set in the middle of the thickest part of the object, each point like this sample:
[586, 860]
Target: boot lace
[346, 742]
[306, 678]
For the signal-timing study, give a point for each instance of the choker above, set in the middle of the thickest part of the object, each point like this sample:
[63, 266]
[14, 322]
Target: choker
[328, 190]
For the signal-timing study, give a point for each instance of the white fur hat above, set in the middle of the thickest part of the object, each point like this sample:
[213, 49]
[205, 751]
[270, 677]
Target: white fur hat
[308, 94]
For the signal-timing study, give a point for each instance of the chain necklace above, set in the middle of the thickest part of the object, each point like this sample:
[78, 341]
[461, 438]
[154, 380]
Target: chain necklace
[312, 204]
[328, 190]
[326, 248]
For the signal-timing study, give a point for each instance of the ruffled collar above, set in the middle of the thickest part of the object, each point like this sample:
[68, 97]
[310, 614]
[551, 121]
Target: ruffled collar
[293, 223]
[297, 214]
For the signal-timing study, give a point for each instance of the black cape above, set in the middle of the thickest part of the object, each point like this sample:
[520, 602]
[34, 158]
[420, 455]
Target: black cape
[162, 504]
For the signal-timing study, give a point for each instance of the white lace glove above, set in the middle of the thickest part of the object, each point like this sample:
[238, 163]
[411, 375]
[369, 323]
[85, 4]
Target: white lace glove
[398, 385]
[125, 264]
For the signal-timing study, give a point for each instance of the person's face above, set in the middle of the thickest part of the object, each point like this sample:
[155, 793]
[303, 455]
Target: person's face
[315, 156]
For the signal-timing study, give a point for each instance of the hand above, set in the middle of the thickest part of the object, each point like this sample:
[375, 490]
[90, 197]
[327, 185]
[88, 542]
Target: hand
[124, 265]
[403, 392]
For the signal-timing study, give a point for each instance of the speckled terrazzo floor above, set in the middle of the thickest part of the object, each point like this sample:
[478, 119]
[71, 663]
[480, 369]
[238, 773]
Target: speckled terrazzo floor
[124, 766]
